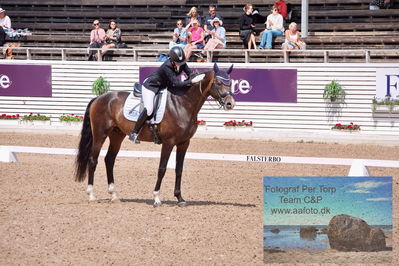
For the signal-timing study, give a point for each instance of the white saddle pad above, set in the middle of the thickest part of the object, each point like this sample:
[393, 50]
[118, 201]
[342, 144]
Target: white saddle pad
[133, 106]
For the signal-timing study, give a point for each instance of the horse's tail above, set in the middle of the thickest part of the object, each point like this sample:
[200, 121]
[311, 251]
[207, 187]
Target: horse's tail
[85, 144]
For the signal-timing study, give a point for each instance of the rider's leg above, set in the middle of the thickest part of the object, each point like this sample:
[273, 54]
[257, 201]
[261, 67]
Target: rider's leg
[148, 99]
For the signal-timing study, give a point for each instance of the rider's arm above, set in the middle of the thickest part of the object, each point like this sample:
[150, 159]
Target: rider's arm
[186, 70]
[176, 82]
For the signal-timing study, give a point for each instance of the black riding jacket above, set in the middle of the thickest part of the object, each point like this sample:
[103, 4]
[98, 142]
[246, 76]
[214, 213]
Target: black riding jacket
[166, 76]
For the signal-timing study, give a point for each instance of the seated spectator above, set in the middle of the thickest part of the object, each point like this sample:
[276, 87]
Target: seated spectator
[208, 21]
[179, 36]
[247, 27]
[97, 39]
[378, 4]
[5, 25]
[192, 15]
[112, 37]
[274, 28]
[218, 33]
[293, 38]
[196, 34]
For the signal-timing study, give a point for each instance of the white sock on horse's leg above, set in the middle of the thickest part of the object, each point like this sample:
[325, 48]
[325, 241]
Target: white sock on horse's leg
[112, 191]
[90, 192]
[157, 199]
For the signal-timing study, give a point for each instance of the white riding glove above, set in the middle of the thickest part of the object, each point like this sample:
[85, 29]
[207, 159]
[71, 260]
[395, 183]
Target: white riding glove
[198, 78]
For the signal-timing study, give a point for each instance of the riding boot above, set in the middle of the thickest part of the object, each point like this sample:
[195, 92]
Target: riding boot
[139, 124]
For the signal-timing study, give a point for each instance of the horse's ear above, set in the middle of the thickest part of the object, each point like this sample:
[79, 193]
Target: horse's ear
[230, 69]
[215, 68]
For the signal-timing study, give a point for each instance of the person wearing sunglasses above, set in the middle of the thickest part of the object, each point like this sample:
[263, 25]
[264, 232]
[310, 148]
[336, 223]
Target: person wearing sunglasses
[179, 36]
[97, 39]
[274, 28]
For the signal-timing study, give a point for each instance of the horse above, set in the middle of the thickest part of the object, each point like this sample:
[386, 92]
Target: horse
[104, 118]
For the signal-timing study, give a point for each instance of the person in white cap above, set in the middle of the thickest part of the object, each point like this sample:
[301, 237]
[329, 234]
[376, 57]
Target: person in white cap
[5, 25]
[218, 36]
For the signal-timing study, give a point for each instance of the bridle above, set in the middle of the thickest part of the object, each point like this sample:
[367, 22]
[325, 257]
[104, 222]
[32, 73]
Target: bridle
[219, 81]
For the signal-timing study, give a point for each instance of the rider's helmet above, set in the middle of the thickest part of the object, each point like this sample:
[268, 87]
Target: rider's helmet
[176, 55]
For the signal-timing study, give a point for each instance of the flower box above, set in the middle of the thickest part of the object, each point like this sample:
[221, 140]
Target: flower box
[71, 124]
[36, 122]
[386, 109]
[10, 122]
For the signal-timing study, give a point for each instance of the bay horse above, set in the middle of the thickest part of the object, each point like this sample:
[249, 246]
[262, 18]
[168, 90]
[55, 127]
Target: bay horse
[104, 118]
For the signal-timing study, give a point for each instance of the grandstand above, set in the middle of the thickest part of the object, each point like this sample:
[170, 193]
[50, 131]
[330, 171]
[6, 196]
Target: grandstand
[147, 26]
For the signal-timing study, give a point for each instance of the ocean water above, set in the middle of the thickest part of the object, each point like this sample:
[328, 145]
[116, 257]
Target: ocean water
[288, 238]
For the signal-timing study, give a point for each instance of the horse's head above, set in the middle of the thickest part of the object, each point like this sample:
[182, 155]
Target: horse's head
[221, 87]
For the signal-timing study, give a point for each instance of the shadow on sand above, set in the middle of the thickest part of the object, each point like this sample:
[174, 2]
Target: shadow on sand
[190, 203]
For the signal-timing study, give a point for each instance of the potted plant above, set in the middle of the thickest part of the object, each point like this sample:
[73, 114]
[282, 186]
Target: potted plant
[100, 86]
[387, 104]
[333, 91]
[6, 119]
[348, 128]
[201, 124]
[71, 119]
[37, 119]
[238, 125]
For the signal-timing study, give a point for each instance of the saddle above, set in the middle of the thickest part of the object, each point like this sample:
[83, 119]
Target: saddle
[134, 105]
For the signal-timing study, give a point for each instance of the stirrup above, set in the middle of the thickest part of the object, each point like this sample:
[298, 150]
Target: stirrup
[135, 138]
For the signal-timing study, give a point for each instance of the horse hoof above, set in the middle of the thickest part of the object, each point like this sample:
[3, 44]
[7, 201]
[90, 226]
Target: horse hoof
[157, 204]
[92, 198]
[182, 204]
[115, 199]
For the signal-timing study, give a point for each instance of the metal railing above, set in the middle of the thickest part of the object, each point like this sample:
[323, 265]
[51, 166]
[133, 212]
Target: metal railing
[235, 55]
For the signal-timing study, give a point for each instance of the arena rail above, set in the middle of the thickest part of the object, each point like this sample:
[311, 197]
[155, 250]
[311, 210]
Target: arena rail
[240, 55]
[212, 156]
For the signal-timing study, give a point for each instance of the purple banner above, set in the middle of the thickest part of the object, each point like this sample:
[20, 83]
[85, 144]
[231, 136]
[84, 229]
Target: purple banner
[25, 80]
[256, 85]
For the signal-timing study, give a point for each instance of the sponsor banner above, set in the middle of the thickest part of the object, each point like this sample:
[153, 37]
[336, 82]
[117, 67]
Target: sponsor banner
[387, 83]
[25, 80]
[256, 85]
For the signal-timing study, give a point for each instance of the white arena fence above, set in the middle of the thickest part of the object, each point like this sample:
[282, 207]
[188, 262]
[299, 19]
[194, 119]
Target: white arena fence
[209, 156]
[72, 82]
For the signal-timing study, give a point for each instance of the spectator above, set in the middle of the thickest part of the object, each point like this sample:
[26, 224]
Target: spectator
[247, 27]
[208, 21]
[97, 39]
[378, 4]
[192, 15]
[282, 8]
[274, 28]
[5, 25]
[218, 33]
[112, 37]
[196, 40]
[293, 38]
[179, 36]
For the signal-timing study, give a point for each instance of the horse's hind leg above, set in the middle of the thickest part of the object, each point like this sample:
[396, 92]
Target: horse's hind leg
[180, 154]
[165, 153]
[98, 141]
[116, 137]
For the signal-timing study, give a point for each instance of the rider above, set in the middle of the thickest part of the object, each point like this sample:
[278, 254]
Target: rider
[166, 76]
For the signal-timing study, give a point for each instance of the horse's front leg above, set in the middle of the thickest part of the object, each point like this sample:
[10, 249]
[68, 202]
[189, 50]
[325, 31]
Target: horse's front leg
[180, 154]
[165, 153]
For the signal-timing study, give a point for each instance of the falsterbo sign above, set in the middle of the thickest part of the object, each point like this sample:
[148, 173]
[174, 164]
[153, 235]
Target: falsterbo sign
[256, 85]
[387, 83]
[25, 80]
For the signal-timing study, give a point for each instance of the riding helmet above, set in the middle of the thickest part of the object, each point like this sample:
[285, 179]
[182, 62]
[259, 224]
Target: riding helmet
[176, 55]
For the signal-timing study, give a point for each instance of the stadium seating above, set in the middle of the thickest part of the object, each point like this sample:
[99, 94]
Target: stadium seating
[148, 24]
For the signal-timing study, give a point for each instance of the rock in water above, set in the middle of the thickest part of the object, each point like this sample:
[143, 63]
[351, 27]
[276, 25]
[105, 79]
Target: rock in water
[308, 232]
[348, 233]
[275, 230]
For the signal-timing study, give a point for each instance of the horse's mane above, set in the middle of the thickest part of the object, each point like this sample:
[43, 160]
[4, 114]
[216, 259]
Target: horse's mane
[194, 74]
